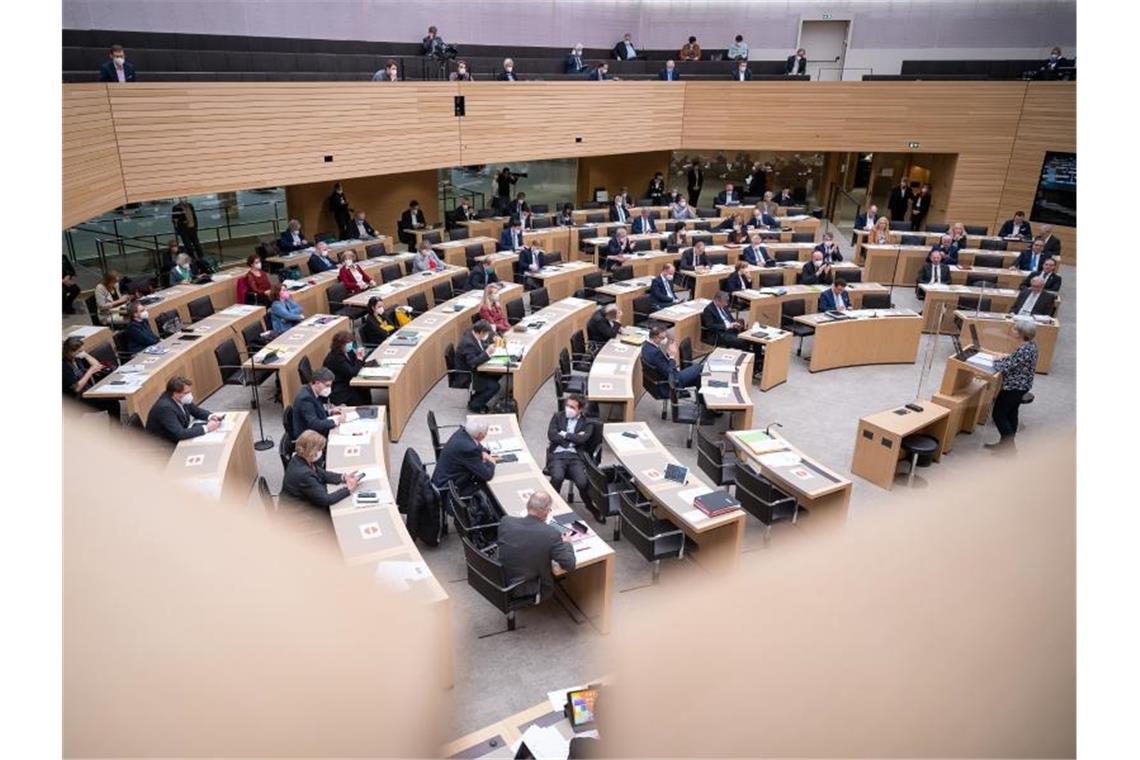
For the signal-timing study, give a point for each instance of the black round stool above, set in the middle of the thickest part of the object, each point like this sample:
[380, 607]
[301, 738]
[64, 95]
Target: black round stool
[1027, 397]
[921, 449]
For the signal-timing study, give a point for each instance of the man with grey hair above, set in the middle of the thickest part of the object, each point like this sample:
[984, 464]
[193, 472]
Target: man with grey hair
[527, 546]
[1034, 299]
[464, 461]
[574, 63]
[1017, 371]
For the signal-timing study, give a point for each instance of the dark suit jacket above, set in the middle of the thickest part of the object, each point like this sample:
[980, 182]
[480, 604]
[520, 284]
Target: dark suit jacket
[949, 255]
[614, 214]
[170, 420]
[735, 75]
[371, 331]
[653, 357]
[827, 300]
[1025, 260]
[737, 281]
[928, 272]
[507, 76]
[661, 291]
[517, 209]
[1044, 303]
[711, 320]
[309, 413]
[526, 547]
[507, 241]
[920, 205]
[107, 71]
[528, 256]
[899, 200]
[766, 219]
[644, 224]
[1052, 282]
[785, 201]
[344, 366]
[368, 230]
[615, 247]
[480, 278]
[809, 276]
[793, 66]
[722, 197]
[598, 75]
[600, 330]
[757, 256]
[580, 437]
[663, 75]
[408, 220]
[861, 220]
[285, 242]
[139, 336]
[573, 65]
[470, 353]
[1025, 232]
[758, 184]
[306, 482]
[834, 255]
[461, 461]
[619, 51]
[317, 264]
[696, 178]
[1053, 246]
[687, 261]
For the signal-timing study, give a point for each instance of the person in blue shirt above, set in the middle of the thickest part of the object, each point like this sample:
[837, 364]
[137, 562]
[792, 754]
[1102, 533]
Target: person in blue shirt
[660, 353]
[285, 312]
[320, 261]
[511, 238]
[661, 289]
[139, 333]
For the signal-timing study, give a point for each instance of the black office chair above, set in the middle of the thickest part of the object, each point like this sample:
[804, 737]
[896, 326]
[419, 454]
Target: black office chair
[418, 303]
[642, 245]
[769, 278]
[973, 279]
[539, 299]
[912, 240]
[710, 337]
[584, 234]
[251, 334]
[605, 485]
[433, 238]
[703, 226]
[581, 357]
[782, 256]
[575, 383]
[105, 353]
[337, 295]
[459, 282]
[994, 245]
[516, 310]
[305, 370]
[989, 260]
[458, 233]
[761, 499]
[717, 258]
[121, 350]
[973, 302]
[716, 458]
[622, 273]
[486, 575]
[850, 275]
[200, 308]
[590, 283]
[433, 432]
[551, 257]
[653, 539]
[938, 228]
[643, 306]
[687, 410]
[561, 391]
[902, 226]
[441, 291]
[877, 301]
[457, 378]
[233, 371]
[685, 352]
[93, 310]
[771, 235]
[977, 229]
[289, 439]
[803, 237]
[375, 250]
[168, 323]
[657, 386]
[470, 516]
[541, 223]
[390, 272]
[795, 308]
[471, 251]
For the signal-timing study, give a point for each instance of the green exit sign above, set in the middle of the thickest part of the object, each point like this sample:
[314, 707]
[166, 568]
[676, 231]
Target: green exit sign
[827, 17]
[913, 145]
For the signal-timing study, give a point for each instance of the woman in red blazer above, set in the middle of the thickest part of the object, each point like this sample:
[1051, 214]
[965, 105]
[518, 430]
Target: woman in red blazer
[353, 277]
[257, 282]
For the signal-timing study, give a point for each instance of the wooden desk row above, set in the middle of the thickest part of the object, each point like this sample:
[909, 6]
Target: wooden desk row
[300, 258]
[863, 336]
[903, 264]
[217, 464]
[310, 339]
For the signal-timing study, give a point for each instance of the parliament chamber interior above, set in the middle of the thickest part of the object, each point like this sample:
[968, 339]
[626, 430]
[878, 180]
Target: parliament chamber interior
[569, 380]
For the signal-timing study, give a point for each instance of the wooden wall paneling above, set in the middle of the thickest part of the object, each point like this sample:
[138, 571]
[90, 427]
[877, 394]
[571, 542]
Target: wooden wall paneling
[382, 198]
[191, 138]
[632, 170]
[92, 178]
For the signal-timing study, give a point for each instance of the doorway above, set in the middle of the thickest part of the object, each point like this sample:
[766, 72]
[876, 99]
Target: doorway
[825, 43]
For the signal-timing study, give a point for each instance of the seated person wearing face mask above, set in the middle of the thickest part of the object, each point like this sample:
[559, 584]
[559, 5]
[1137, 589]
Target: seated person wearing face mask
[492, 312]
[344, 360]
[352, 276]
[482, 275]
[319, 259]
[174, 415]
[695, 257]
[567, 434]
[309, 411]
[257, 282]
[605, 324]
[285, 312]
[306, 482]
[661, 289]
[139, 334]
[660, 353]
[375, 328]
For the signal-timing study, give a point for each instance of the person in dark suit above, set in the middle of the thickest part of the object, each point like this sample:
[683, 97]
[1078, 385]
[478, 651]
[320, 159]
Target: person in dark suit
[696, 181]
[817, 271]
[464, 461]
[1052, 242]
[411, 219]
[70, 289]
[604, 324]
[292, 239]
[829, 248]
[741, 73]
[835, 298]
[567, 435]
[661, 289]
[946, 247]
[527, 546]
[757, 181]
[644, 223]
[508, 73]
[433, 44]
[345, 360]
[309, 411]
[619, 211]
[511, 238]
[518, 207]
[669, 73]
[1016, 227]
[503, 181]
[469, 354]
[695, 257]
[320, 260]
[1034, 299]
[462, 213]
[716, 318]
[761, 218]
[1052, 68]
[1032, 259]
[1048, 273]
[619, 245]
[727, 196]
[531, 259]
[482, 275]
[306, 481]
[139, 334]
[920, 207]
[574, 63]
[176, 417]
[342, 214]
[899, 201]
[796, 64]
[624, 50]
[786, 198]
[360, 228]
[659, 353]
[116, 68]
[756, 254]
[865, 220]
[739, 279]
[185, 221]
[375, 327]
[934, 272]
[656, 190]
[601, 72]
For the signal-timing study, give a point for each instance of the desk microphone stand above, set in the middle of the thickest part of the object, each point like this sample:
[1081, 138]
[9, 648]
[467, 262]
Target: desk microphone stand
[263, 443]
[928, 360]
[894, 274]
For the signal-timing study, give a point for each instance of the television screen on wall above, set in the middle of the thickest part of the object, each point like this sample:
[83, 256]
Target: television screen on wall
[1056, 198]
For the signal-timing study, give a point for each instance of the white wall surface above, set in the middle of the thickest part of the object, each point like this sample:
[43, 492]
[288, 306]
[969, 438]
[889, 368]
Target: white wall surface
[883, 33]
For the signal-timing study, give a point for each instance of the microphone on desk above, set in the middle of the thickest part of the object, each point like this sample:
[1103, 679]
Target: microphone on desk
[768, 429]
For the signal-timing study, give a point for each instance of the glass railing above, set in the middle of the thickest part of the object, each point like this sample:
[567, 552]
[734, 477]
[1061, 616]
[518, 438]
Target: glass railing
[842, 209]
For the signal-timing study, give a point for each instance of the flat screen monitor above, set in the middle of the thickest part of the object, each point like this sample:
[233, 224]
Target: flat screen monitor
[1056, 199]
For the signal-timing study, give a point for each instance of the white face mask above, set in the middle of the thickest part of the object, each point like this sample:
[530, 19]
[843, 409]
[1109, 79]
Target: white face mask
[144, 314]
[257, 265]
[348, 261]
[326, 391]
[119, 60]
[187, 399]
[571, 413]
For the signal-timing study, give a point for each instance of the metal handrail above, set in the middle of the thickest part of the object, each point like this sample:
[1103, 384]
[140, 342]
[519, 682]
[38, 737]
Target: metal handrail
[835, 191]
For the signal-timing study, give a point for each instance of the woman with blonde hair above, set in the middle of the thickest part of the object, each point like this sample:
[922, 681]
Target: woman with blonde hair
[109, 300]
[958, 235]
[492, 311]
[881, 233]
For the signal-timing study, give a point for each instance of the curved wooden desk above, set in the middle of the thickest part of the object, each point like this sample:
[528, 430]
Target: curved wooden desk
[733, 368]
[647, 263]
[540, 346]
[140, 381]
[309, 339]
[937, 296]
[564, 279]
[615, 379]
[222, 291]
[217, 464]
[933, 238]
[1006, 278]
[868, 336]
[312, 293]
[591, 583]
[376, 535]
[685, 317]
[398, 291]
[410, 372]
[718, 538]
[454, 252]
[300, 259]
[92, 336]
[766, 305]
[624, 292]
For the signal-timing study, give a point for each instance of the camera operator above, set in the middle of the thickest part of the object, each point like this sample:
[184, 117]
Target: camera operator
[503, 182]
[435, 47]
